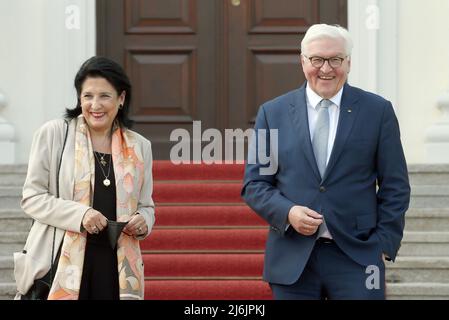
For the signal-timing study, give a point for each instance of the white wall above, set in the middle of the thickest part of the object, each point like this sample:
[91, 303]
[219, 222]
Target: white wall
[39, 57]
[423, 69]
[21, 65]
[405, 58]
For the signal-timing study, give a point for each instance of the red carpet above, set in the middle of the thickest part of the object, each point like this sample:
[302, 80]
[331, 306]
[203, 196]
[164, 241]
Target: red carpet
[202, 264]
[240, 215]
[205, 239]
[165, 170]
[207, 290]
[206, 243]
[178, 192]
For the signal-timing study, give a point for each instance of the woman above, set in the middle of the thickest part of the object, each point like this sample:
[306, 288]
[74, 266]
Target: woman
[105, 175]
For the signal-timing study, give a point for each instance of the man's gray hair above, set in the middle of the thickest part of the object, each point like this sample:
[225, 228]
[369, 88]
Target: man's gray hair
[323, 31]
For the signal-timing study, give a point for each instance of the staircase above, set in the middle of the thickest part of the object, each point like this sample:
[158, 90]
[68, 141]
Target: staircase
[421, 270]
[207, 244]
[14, 224]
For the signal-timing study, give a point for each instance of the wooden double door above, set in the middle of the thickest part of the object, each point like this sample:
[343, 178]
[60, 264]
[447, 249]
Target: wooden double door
[215, 61]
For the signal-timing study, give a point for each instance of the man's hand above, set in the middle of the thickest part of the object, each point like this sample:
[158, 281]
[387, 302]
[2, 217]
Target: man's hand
[304, 220]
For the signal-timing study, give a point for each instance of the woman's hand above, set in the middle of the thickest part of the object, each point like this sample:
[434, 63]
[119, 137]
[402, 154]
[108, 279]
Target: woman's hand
[136, 226]
[94, 221]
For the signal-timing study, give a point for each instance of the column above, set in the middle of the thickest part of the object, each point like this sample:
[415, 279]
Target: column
[437, 136]
[7, 134]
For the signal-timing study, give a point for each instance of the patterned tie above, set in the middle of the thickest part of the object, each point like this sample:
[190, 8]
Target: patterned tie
[319, 143]
[321, 135]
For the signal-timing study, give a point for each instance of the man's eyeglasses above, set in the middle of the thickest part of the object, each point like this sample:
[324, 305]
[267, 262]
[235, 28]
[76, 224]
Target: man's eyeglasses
[334, 62]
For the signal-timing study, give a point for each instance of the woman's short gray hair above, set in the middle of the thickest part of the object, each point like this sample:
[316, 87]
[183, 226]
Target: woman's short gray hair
[320, 31]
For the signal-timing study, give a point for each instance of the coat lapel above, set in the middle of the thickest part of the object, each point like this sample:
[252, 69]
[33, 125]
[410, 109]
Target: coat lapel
[299, 118]
[348, 113]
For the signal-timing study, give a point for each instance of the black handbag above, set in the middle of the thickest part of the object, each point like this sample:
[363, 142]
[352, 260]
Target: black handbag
[41, 287]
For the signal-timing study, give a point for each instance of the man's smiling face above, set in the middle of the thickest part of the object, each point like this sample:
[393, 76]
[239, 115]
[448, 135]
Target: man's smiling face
[325, 81]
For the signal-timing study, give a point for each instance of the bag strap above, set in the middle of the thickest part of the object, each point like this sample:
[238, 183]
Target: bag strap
[60, 159]
[57, 196]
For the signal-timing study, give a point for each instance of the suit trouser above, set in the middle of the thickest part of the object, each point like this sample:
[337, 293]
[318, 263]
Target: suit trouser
[331, 274]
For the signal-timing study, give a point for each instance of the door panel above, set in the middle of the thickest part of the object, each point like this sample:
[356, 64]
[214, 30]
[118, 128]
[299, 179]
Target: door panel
[160, 16]
[211, 60]
[164, 84]
[267, 16]
[169, 56]
[264, 46]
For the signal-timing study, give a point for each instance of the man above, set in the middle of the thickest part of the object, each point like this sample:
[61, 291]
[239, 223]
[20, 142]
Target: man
[337, 201]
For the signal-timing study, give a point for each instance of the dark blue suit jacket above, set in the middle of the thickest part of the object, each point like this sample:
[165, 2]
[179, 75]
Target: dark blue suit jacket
[363, 196]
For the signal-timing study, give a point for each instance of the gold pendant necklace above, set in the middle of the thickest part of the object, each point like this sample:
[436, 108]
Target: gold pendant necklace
[106, 180]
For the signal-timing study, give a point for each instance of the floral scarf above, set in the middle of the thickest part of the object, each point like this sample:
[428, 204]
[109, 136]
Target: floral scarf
[128, 168]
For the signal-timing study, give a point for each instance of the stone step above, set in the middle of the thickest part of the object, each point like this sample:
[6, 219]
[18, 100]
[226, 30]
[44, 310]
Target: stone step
[13, 237]
[430, 244]
[422, 196]
[427, 219]
[414, 243]
[418, 291]
[429, 196]
[429, 174]
[403, 270]
[12, 213]
[15, 224]
[417, 219]
[10, 197]
[7, 290]
[12, 175]
[14, 220]
[395, 291]
[6, 269]
[10, 248]
[418, 269]
[11, 242]
[426, 192]
[419, 174]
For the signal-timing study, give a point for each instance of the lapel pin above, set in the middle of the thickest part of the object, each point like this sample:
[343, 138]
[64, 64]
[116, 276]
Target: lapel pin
[349, 110]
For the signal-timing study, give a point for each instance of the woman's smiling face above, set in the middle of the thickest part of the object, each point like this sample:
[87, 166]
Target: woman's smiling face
[100, 103]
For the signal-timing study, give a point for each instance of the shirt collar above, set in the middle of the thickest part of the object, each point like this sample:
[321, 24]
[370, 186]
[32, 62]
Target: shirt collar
[314, 99]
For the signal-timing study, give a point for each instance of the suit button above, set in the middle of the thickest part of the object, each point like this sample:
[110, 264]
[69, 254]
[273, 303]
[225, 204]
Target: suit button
[322, 189]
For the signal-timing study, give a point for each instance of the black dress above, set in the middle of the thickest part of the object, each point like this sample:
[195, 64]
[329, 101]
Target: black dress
[99, 280]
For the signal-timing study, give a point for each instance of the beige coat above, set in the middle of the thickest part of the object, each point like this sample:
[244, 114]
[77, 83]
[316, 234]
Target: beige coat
[39, 199]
